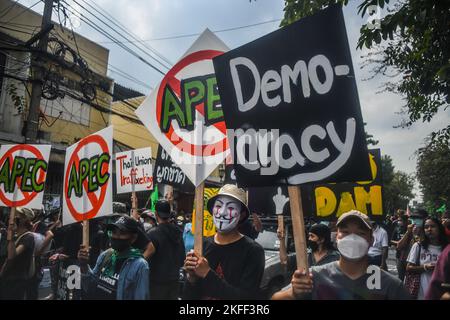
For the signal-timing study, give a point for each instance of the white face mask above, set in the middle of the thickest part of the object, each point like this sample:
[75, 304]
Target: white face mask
[353, 247]
[226, 213]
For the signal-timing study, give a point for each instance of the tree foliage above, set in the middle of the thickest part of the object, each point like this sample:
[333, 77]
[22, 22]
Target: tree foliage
[397, 186]
[413, 41]
[433, 174]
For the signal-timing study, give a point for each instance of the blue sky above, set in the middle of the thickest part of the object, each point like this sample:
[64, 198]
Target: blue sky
[151, 19]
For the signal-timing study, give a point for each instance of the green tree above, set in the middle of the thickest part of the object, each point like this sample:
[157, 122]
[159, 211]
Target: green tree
[433, 174]
[413, 42]
[397, 186]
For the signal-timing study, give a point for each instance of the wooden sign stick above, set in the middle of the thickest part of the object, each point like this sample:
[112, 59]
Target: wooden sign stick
[283, 251]
[198, 223]
[134, 212]
[298, 225]
[86, 233]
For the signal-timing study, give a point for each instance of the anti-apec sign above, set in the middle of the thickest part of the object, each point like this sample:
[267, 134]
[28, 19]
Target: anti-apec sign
[134, 171]
[87, 188]
[291, 105]
[184, 112]
[23, 170]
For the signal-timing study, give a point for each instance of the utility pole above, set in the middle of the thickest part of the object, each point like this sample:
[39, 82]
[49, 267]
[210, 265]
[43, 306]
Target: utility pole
[38, 71]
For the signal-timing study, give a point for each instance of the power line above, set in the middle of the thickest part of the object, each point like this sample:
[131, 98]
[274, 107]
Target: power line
[25, 10]
[23, 27]
[109, 36]
[197, 34]
[17, 30]
[102, 63]
[120, 34]
[122, 27]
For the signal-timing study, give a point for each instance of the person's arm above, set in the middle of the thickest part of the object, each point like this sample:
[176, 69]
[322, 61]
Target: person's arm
[414, 261]
[150, 250]
[192, 288]
[404, 241]
[287, 294]
[301, 287]
[48, 238]
[257, 224]
[384, 256]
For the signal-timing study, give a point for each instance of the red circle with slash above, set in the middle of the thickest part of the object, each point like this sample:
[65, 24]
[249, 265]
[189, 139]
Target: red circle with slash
[174, 84]
[95, 202]
[28, 196]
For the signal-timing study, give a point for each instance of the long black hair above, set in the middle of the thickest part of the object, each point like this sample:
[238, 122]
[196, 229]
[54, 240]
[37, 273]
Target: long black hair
[442, 238]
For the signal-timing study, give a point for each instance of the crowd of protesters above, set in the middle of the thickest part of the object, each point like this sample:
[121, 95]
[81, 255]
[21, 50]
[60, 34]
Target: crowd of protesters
[149, 255]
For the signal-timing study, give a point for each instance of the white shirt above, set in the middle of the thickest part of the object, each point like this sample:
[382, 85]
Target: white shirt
[380, 240]
[430, 255]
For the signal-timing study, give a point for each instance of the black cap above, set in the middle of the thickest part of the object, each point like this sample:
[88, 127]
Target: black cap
[162, 209]
[124, 223]
[320, 230]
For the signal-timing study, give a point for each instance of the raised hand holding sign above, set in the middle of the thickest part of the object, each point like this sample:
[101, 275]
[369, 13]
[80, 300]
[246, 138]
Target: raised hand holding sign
[280, 200]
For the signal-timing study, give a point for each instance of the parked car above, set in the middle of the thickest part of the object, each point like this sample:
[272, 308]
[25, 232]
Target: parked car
[276, 275]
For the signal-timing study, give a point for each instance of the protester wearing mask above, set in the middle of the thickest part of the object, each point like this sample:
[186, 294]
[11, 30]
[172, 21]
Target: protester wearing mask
[378, 251]
[347, 278]
[232, 264]
[423, 256]
[149, 220]
[414, 231]
[121, 273]
[322, 250]
[166, 255]
[19, 268]
[399, 231]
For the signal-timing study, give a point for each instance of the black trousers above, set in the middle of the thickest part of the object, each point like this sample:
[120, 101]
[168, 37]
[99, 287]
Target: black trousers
[13, 289]
[164, 291]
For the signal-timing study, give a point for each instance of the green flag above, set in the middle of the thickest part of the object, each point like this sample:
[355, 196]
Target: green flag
[154, 197]
[442, 209]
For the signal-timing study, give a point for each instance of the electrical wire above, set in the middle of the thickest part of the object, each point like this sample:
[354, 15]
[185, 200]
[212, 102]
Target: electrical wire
[109, 36]
[22, 12]
[127, 31]
[197, 34]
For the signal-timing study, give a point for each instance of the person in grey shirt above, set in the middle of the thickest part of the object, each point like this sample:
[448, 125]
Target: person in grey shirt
[351, 277]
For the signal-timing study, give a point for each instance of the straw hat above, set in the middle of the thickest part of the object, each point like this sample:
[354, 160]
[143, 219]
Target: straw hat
[25, 213]
[234, 192]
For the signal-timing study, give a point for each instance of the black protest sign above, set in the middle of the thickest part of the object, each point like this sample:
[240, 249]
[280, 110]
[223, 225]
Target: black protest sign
[331, 200]
[263, 200]
[291, 105]
[167, 172]
[230, 175]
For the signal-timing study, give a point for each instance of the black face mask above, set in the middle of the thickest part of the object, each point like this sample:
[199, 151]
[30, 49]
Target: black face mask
[120, 244]
[17, 220]
[313, 245]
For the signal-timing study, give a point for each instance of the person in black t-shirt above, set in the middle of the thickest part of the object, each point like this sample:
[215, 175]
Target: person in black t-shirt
[166, 255]
[19, 267]
[232, 264]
